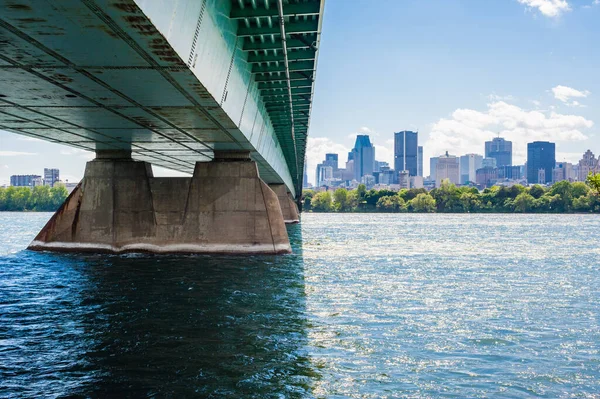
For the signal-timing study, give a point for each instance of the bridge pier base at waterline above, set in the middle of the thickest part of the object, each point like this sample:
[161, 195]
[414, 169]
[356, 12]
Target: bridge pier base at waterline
[120, 207]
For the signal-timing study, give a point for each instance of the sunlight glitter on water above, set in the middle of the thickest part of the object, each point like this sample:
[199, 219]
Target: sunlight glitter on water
[368, 306]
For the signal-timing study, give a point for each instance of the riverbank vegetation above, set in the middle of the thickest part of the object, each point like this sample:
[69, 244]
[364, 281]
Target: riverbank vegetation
[562, 197]
[39, 198]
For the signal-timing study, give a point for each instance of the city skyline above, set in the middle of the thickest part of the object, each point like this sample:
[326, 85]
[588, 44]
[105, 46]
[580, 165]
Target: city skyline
[521, 84]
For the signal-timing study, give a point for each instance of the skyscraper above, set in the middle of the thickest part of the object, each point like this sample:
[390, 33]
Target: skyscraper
[331, 160]
[305, 179]
[420, 161]
[364, 157]
[540, 155]
[432, 167]
[51, 176]
[406, 152]
[587, 164]
[469, 164]
[447, 168]
[499, 149]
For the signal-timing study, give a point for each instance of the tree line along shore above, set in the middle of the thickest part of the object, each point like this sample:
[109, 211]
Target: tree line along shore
[562, 197]
[36, 199]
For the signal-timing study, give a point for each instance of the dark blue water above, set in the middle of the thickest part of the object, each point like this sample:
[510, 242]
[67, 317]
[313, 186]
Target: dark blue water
[368, 306]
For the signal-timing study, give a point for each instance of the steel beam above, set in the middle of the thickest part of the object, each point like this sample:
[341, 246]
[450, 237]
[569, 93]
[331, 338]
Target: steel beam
[289, 10]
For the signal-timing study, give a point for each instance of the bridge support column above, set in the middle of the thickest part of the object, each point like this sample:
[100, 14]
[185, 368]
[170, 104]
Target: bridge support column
[288, 206]
[120, 207]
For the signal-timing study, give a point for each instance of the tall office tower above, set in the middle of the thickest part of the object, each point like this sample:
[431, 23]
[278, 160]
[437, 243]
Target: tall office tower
[363, 155]
[51, 176]
[432, 167]
[447, 168]
[406, 152]
[489, 163]
[305, 178]
[420, 161]
[499, 149]
[468, 167]
[540, 155]
[587, 164]
[331, 160]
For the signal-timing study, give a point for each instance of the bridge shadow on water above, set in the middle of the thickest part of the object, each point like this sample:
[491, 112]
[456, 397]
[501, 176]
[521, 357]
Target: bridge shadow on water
[165, 326]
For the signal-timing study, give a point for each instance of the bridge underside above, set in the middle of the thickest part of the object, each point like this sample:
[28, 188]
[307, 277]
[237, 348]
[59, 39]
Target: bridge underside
[171, 83]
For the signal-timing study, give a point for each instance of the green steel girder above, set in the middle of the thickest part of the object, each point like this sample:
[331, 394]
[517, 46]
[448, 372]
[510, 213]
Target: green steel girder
[278, 45]
[289, 10]
[285, 95]
[290, 28]
[298, 55]
[280, 67]
[281, 77]
[266, 86]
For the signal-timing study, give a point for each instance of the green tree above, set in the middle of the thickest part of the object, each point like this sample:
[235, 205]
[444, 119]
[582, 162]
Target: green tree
[579, 189]
[565, 196]
[307, 196]
[391, 203]
[593, 180]
[447, 197]
[340, 200]
[523, 203]
[536, 191]
[470, 202]
[424, 203]
[321, 202]
[58, 195]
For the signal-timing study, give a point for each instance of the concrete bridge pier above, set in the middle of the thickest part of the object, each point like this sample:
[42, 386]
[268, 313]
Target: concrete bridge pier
[289, 209]
[120, 207]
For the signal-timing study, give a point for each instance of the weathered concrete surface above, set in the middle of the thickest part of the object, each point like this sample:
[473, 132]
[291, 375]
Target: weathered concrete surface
[120, 207]
[288, 206]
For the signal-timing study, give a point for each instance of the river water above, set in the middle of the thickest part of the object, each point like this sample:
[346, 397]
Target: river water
[368, 306]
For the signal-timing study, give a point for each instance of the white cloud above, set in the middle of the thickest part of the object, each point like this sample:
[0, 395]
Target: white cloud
[385, 153]
[565, 94]
[467, 130]
[548, 8]
[316, 148]
[15, 153]
[78, 152]
[496, 97]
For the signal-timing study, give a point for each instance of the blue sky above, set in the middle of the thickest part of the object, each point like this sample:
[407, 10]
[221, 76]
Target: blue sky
[459, 71]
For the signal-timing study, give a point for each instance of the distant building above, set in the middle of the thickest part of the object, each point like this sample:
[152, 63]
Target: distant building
[363, 155]
[406, 152]
[305, 178]
[510, 172]
[51, 176]
[404, 179]
[541, 175]
[420, 161]
[562, 171]
[387, 176]
[469, 164]
[587, 164]
[24, 180]
[368, 180]
[417, 182]
[540, 155]
[500, 150]
[486, 176]
[432, 167]
[489, 163]
[331, 160]
[323, 175]
[448, 167]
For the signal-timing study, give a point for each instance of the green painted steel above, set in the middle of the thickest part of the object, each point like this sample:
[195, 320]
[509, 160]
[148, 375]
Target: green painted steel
[172, 81]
